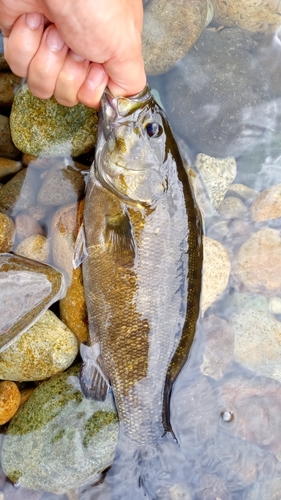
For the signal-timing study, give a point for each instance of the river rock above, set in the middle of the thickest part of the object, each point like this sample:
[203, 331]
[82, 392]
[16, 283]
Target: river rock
[212, 488]
[274, 305]
[216, 270]
[7, 147]
[17, 194]
[38, 212]
[35, 247]
[258, 262]
[48, 347]
[73, 311]
[214, 98]
[247, 194]
[27, 226]
[252, 15]
[45, 127]
[219, 347]
[9, 84]
[170, 29]
[62, 185]
[7, 233]
[267, 490]
[9, 401]
[257, 343]
[217, 174]
[267, 205]
[232, 208]
[27, 289]
[59, 439]
[9, 167]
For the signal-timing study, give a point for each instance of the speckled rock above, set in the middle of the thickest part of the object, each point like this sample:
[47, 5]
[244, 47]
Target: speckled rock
[48, 347]
[219, 347]
[7, 233]
[7, 147]
[267, 205]
[17, 194]
[213, 97]
[9, 167]
[73, 310]
[246, 193]
[212, 488]
[9, 401]
[44, 127]
[239, 302]
[257, 344]
[27, 289]
[232, 208]
[27, 226]
[252, 15]
[258, 262]
[170, 29]
[274, 305]
[59, 439]
[216, 270]
[38, 212]
[63, 184]
[35, 247]
[217, 174]
[180, 492]
[9, 84]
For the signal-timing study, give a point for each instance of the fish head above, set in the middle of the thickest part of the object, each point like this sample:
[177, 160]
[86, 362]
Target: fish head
[133, 148]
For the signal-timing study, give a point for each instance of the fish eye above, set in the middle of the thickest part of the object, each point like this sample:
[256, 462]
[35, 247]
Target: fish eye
[153, 129]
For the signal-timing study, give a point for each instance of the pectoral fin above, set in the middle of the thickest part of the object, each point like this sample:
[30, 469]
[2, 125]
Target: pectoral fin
[80, 250]
[93, 379]
[120, 239]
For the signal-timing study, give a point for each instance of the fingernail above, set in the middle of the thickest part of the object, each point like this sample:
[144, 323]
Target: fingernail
[76, 57]
[54, 40]
[95, 77]
[33, 20]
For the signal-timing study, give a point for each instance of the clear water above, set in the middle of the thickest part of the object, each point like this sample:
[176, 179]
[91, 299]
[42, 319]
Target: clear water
[226, 451]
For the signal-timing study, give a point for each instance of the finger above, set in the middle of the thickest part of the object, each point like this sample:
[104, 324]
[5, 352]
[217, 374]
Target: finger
[23, 42]
[93, 87]
[47, 63]
[70, 79]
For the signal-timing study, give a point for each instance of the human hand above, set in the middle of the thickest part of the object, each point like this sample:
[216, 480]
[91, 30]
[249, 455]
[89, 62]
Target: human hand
[58, 60]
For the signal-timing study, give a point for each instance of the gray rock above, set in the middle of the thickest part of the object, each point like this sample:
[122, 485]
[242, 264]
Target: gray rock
[19, 193]
[214, 97]
[59, 439]
[63, 184]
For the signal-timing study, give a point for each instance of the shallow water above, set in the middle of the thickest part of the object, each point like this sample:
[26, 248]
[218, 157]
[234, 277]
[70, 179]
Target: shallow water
[225, 408]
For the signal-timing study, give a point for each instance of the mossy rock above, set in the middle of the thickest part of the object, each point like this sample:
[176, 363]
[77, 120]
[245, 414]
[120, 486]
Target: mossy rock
[59, 439]
[43, 127]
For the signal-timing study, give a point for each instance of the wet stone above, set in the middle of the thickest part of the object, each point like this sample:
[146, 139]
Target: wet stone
[245, 193]
[35, 247]
[274, 305]
[212, 488]
[63, 184]
[9, 167]
[48, 347]
[9, 401]
[27, 226]
[7, 233]
[73, 311]
[267, 205]
[44, 127]
[27, 289]
[208, 92]
[219, 347]
[170, 29]
[267, 490]
[258, 262]
[17, 194]
[232, 208]
[7, 147]
[59, 439]
[38, 212]
[216, 270]
[9, 84]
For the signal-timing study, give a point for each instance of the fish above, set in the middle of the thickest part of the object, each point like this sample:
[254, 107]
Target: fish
[142, 238]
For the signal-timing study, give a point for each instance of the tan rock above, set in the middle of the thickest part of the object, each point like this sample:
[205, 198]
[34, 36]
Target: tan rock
[35, 247]
[219, 347]
[216, 270]
[9, 401]
[267, 205]
[47, 348]
[27, 226]
[73, 311]
[232, 208]
[217, 174]
[9, 167]
[247, 194]
[252, 15]
[38, 212]
[258, 262]
[25, 395]
[171, 27]
[7, 233]
[9, 83]
[7, 147]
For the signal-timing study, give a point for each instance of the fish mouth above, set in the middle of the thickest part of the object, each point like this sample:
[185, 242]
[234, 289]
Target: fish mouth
[114, 107]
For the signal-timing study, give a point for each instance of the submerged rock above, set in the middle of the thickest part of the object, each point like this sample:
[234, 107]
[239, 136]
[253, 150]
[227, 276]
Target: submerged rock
[216, 270]
[219, 347]
[63, 184]
[267, 205]
[35, 247]
[9, 167]
[9, 401]
[59, 439]
[45, 349]
[7, 147]
[27, 289]
[44, 127]
[7, 233]
[19, 193]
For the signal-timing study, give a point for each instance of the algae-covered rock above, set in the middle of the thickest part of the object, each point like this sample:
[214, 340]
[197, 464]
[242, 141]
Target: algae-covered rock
[44, 127]
[59, 439]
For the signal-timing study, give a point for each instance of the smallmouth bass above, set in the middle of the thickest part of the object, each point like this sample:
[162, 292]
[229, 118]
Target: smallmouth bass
[142, 276]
